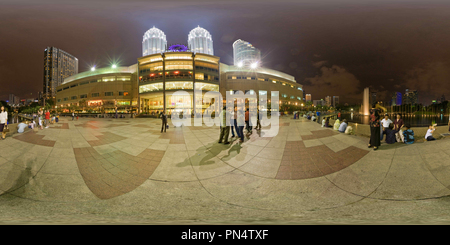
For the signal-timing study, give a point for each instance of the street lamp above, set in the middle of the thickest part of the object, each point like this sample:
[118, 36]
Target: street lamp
[114, 66]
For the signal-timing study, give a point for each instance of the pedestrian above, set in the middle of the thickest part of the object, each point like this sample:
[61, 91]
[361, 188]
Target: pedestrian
[235, 114]
[73, 116]
[241, 123]
[398, 125]
[247, 122]
[339, 115]
[232, 123]
[163, 117]
[224, 129]
[327, 122]
[408, 135]
[258, 122]
[3, 121]
[374, 122]
[385, 124]
[430, 131]
[323, 122]
[47, 118]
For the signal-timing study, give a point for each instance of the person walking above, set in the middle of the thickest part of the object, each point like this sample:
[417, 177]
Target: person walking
[258, 123]
[398, 125]
[3, 121]
[73, 116]
[163, 117]
[224, 129]
[374, 122]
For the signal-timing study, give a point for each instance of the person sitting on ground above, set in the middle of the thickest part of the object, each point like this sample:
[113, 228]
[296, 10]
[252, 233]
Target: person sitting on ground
[349, 130]
[337, 123]
[343, 126]
[390, 134]
[32, 124]
[408, 135]
[313, 118]
[327, 122]
[21, 127]
[429, 135]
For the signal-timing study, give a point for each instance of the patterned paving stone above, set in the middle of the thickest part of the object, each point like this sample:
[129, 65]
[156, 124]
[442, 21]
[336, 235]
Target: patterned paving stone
[34, 138]
[115, 173]
[301, 162]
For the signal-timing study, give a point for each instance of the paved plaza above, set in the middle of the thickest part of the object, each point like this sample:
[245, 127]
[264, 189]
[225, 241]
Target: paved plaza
[95, 171]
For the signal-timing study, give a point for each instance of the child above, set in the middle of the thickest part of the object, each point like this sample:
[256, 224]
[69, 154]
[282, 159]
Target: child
[429, 135]
[408, 135]
[40, 122]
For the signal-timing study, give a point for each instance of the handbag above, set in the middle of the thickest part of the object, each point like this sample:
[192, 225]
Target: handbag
[6, 129]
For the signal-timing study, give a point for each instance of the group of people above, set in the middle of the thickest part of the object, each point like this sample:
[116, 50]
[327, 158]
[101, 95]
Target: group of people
[339, 126]
[42, 117]
[237, 121]
[392, 129]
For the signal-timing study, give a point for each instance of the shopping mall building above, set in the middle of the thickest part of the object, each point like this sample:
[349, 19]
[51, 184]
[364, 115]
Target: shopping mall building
[170, 77]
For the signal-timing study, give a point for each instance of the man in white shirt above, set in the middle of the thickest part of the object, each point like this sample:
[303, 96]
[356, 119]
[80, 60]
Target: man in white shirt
[429, 135]
[385, 124]
[21, 127]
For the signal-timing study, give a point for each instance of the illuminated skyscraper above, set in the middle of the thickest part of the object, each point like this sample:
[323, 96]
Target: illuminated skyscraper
[58, 65]
[245, 54]
[200, 41]
[154, 42]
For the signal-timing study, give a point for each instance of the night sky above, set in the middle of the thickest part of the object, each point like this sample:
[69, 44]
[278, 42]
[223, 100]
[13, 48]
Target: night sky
[331, 47]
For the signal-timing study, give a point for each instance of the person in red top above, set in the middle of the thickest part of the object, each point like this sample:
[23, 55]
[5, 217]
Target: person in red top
[47, 117]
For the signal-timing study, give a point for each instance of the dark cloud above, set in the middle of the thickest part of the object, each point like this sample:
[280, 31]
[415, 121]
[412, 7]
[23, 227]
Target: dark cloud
[384, 44]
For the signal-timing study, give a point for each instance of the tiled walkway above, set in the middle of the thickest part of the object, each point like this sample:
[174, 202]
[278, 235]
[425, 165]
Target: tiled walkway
[126, 169]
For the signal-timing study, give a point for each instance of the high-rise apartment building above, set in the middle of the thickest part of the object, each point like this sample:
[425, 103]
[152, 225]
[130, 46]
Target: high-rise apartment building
[328, 101]
[410, 97]
[396, 99]
[58, 65]
[308, 97]
[245, 54]
[335, 101]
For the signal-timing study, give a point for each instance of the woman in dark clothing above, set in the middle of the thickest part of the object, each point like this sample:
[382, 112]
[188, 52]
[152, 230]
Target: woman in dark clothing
[374, 121]
[390, 134]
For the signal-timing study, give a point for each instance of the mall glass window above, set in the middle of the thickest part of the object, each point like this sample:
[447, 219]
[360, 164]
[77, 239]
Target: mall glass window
[109, 93]
[82, 96]
[95, 95]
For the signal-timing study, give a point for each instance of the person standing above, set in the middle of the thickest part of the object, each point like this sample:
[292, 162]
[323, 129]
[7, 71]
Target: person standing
[247, 122]
[3, 121]
[398, 125]
[224, 129]
[73, 116]
[241, 123]
[163, 117]
[47, 118]
[339, 115]
[235, 114]
[374, 121]
[232, 122]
